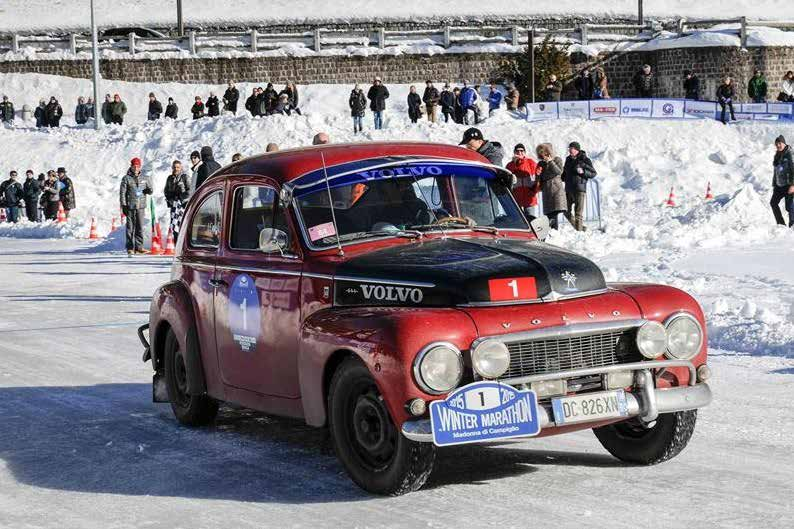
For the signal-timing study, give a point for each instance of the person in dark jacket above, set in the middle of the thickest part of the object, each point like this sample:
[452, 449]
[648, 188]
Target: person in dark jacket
[197, 109]
[292, 94]
[447, 100]
[53, 112]
[578, 169]
[584, 85]
[643, 82]
[377, 95]
[691, 86]
[208, 166]
[107, 110]
[492, 150]
[358, 106]
[118, 109]
[12, 195]
[757, 88]
[51, 196]
[66, 190]
[553, 89]
[41, 114]
[725, 94]
[250, 102]
[177, 192]
[132, 198]
[551, 185]
[457, 109]
[230, 98]
[282, 105]
[213, 105]
[431, 98]
[31, 192]
[414, 105]
[263, 104]
[6, 110]
[155, 108]
[271, 98]
[81, 112]
[171, 109]
[783, 181]
[90, 108]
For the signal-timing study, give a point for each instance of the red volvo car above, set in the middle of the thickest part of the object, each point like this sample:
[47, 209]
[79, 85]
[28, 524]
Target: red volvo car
[397, 294]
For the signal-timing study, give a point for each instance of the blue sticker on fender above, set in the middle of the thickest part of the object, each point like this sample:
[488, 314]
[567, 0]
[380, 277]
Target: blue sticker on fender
[244, 320]
[484, 411]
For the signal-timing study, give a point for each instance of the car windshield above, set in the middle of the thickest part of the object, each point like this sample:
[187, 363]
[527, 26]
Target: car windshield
[396, 205]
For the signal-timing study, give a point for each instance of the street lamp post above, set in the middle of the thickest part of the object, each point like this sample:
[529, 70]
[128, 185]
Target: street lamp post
[95, 60]
[180, 22]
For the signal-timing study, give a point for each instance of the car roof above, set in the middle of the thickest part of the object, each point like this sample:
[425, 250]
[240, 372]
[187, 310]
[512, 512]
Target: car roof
[288, 165]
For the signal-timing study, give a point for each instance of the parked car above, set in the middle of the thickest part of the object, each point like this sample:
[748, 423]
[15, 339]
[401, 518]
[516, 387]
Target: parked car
[396, 294]
[123, 33]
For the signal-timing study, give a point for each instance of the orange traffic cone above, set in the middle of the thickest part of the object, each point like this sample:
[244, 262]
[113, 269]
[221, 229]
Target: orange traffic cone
[709, 196]
[157, 248]
[113, 225]
[61, 213]
[671, 199]
[169, 244]
[92, 234]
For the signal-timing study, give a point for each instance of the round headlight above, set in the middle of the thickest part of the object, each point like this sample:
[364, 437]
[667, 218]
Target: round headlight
[438, 368]
[684, 337]
[652, 339]
[490, 359]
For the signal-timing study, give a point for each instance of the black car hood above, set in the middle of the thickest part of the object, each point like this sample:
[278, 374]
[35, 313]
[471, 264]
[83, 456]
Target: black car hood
[455, 271]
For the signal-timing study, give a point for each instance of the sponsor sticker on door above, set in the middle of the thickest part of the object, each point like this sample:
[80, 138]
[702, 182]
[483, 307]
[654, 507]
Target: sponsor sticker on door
[484, 411]
[244, 312]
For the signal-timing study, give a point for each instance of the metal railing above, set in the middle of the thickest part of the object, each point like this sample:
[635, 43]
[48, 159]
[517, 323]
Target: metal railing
[319, 39]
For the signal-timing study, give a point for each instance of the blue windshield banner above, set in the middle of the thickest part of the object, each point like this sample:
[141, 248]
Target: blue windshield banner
[362, 171]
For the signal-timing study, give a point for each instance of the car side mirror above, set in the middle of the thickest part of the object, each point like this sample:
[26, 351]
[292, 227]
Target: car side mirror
[273, 240]
[540, 227]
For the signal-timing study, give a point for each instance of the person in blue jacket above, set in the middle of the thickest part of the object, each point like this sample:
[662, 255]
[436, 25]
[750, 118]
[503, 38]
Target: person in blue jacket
[468, 101]
[494, 99]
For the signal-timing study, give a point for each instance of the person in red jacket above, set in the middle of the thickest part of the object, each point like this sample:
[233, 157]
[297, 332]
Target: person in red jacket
[528, 184]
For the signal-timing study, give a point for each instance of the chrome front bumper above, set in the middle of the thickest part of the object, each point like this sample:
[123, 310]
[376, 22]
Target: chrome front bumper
[647, 402]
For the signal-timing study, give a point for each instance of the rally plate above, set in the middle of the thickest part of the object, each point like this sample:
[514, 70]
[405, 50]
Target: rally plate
[484, 411]
[590, 407]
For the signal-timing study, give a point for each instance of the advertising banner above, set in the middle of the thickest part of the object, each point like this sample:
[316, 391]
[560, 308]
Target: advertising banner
[605, 108]
[636, 108]
[574, 109]
[751, 107]
[766, 117]
[667, 108]
[700, 109]
[779, 108]
[541, 111]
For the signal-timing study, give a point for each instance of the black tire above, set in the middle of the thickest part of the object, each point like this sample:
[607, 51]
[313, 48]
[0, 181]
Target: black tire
[374, 453]
[631, 442]
[190, 410]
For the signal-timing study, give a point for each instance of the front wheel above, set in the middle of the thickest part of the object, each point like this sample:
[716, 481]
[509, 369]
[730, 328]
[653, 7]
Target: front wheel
[632, 442]
[374, 453]
[191, 410]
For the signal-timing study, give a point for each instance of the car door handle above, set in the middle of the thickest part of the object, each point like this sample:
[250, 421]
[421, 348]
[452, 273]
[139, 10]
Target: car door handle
[218, 283]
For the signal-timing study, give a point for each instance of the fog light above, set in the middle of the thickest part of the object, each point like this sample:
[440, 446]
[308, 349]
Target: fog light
[417, 407]
[618, 380]
[704, 373]
[547, 388]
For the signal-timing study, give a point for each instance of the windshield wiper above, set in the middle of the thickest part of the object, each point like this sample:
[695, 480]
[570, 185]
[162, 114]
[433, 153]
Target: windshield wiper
[408, 234]
[487, 229]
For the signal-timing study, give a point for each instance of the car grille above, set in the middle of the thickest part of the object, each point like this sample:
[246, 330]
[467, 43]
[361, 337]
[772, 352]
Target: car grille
[536, 357]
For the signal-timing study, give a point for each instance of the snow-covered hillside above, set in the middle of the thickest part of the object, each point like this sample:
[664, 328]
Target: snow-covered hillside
[724, 251]
[26, 15]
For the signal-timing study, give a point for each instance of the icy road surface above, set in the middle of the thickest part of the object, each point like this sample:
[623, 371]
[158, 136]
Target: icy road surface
[82, 445]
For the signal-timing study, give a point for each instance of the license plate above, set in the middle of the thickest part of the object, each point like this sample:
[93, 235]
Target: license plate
[590, 407]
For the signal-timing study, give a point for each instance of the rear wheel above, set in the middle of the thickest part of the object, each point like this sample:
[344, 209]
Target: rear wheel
[633, 442]
[191, 410]
[375, 454]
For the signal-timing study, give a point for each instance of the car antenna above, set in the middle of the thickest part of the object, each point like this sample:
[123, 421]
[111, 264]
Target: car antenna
[331, 204]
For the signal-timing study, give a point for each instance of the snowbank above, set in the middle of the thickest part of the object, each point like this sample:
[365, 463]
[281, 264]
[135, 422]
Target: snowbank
[25, 15]
[638, 162]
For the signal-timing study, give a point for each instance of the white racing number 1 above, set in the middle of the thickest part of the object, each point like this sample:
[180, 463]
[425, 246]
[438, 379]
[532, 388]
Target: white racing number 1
[514, 285]
[244, 308]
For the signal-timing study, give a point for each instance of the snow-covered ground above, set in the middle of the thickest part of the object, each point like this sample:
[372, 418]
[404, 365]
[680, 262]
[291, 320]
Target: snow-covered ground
[81, 444]
[24, 15]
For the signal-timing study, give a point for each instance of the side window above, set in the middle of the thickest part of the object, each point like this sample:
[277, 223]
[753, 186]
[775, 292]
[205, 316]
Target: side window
[206, 227]
[255, 209]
